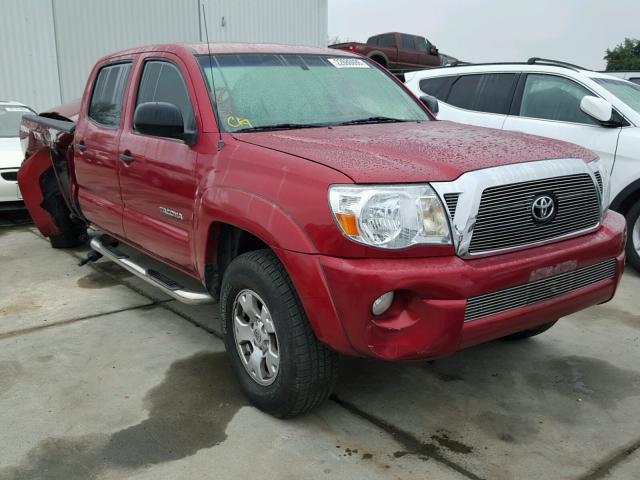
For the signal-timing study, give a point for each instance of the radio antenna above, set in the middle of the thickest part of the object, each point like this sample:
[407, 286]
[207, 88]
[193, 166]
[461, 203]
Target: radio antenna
[213, 85]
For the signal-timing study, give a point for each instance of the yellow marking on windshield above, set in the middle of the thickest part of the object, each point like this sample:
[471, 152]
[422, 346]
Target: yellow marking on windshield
[237, 122]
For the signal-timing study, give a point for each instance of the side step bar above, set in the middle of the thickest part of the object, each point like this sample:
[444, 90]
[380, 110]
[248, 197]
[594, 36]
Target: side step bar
[164, 283]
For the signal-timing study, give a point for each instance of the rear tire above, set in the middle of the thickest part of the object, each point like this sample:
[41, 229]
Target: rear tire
[530, 333]
[633, 240]
[72, 233]
[262, 315]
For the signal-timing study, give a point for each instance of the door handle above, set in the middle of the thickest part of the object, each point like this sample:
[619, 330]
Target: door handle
[126, 158]
[81, 146]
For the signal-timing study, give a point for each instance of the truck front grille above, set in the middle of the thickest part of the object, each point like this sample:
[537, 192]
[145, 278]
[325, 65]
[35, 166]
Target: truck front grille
[505, 218]
[538, 291]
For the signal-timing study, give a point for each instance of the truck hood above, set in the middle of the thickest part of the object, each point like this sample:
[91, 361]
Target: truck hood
[10, 153]
[412, 152]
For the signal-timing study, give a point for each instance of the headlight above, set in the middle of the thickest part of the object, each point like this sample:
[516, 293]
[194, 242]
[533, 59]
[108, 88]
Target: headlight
[601, 172]
[390, 217]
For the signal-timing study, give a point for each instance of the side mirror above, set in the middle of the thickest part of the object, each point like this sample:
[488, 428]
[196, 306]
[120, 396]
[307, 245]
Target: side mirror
[597, 108]
[431, 103]
[433, 50]
[160, 119]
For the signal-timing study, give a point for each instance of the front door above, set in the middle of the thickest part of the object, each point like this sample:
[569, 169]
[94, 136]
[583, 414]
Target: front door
[550, 107]
[157, 175]
[96, 148]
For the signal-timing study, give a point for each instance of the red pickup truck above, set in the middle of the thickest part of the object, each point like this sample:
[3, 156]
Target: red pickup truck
[322, 205]
[399, 52]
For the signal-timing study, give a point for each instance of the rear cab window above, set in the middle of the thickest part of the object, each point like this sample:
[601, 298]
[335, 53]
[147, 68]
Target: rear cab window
[489, 93]
[105, 107]
[388, 41]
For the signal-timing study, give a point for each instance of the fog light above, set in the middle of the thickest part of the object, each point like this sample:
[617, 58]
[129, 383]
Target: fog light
[382, 303]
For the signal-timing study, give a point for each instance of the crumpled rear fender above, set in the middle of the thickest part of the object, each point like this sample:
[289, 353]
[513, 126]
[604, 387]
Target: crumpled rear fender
[30, 187]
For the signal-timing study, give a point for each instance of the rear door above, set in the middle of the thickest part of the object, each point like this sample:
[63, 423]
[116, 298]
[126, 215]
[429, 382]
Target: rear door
[96, 147]
[407, 53]
[475, 99]
[157, 174]
[387, 45]
[549, 105]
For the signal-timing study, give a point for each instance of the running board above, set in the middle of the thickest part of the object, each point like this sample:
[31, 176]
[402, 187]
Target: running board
[157, 279]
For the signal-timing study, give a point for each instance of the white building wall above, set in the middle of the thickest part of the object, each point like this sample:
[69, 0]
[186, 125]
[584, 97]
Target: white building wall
[51, 45]
[28, 64]
[87, 30]
[294, 22]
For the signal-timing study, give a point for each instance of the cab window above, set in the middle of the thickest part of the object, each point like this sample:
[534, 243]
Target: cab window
[387, 41]
[407, 42]
[105, 107]
[490, 93]
[551, 97]
[421, 44]
[162, 82]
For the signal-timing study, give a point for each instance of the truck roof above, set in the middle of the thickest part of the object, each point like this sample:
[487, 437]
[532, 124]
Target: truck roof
[220, 48]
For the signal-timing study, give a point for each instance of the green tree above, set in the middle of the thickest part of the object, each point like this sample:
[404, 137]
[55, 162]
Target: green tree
[626, 56]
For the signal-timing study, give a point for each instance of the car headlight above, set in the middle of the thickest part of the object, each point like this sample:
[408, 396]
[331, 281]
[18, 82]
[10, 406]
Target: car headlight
[391, 217]
[603, 179]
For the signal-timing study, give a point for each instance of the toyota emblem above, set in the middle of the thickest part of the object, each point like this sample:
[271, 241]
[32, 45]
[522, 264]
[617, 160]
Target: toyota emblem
[543, 208]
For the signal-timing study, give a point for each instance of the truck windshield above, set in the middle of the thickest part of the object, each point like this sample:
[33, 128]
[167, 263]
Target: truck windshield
[10, 116]
[270, 92]
[628, 92]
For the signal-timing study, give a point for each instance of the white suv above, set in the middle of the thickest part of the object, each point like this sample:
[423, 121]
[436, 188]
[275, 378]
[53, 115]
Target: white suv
[11, 155]
[551, 99]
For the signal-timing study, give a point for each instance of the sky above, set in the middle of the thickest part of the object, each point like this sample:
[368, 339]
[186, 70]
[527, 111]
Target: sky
[575, 31]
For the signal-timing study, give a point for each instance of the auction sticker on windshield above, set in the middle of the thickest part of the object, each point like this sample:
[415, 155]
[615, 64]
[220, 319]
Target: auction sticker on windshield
[343, 62]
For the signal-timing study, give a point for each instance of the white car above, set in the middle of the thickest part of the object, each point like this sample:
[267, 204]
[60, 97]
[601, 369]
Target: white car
[552, 99]
[631, 75]
[11, 155]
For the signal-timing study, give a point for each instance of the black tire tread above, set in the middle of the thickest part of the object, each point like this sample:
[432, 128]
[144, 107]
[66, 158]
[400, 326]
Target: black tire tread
[633, 258]
[317, 366]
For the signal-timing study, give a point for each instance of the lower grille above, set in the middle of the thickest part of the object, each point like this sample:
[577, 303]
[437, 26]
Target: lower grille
[504, 218]
[538, 291]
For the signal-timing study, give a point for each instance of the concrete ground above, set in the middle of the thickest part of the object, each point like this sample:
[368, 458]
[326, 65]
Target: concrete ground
[103, 377]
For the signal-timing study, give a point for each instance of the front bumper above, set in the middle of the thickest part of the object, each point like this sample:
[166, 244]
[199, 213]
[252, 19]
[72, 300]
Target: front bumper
[427, 318]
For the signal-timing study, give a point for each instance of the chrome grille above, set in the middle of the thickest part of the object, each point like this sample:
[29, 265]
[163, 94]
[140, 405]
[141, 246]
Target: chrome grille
[504, 218]
[538, 291]
[451, 199]
[599, 180]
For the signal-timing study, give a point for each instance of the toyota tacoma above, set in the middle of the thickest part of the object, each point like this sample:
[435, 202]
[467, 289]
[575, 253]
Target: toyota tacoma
[322, 206]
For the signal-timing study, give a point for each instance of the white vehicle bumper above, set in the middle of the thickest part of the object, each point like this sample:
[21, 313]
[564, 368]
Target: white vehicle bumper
[9, 191]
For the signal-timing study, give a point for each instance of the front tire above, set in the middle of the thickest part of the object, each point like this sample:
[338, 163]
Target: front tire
[282, 368]
[633, 242]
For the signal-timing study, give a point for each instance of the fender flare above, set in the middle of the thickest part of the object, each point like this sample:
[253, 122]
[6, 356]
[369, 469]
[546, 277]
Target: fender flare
[249, 212]
[380, 54]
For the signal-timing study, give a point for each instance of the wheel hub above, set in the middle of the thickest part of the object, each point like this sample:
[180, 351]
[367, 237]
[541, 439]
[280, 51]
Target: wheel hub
[255, 337]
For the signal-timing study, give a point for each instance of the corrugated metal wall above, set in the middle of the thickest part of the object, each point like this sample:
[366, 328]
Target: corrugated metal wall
[48, 47]
[28, 64]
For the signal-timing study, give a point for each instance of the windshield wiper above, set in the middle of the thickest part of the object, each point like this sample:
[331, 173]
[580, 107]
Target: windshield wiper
[279, 126]
[362, 121]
